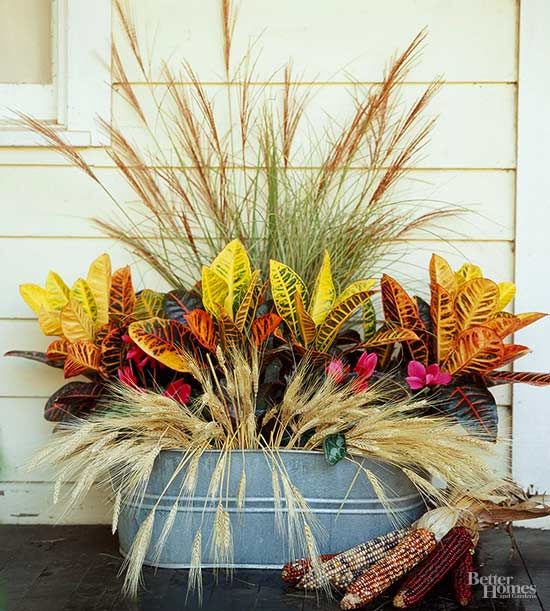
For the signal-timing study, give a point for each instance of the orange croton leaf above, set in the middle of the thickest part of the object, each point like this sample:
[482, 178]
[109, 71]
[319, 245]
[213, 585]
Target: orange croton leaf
[476, 350]
[476, 302]
[122, 299]
[402, 311]
[58, 349]
[443, 317]
[82, 357]
[505, 324]
[230, 336]
[513, 352]
[202, 327]
[502, 323]
[263, 327]
[306, 324]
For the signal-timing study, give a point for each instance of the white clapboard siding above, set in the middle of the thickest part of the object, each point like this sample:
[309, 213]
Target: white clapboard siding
[469, 163]
[468, 40]
[32, 503]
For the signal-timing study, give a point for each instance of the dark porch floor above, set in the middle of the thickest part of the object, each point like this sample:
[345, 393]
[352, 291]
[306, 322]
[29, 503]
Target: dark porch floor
[74, 568]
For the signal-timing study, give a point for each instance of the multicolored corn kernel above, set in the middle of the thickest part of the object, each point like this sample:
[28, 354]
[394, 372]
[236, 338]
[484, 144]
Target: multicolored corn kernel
[341, 570]
[292, 572]
[446, 554]
[411, 550]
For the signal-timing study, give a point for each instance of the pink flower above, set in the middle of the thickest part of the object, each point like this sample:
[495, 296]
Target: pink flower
[135, 354]
[337, 370]
[421, 376]
[127, 376]
[366, 364]
[364, 369]
[178, 390]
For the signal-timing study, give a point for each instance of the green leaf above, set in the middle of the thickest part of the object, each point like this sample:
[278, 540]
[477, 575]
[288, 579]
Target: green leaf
[334, 447]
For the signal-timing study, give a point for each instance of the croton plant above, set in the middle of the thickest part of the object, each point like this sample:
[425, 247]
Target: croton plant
[452, 349]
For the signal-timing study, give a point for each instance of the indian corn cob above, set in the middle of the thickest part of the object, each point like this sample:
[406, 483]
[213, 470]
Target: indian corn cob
[341, 570]
[447, 553]
[293, 571]
[413, 548]
[461, 579]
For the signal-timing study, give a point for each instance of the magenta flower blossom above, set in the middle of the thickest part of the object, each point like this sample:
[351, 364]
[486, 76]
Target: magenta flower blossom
[178, 390]
[366, 364]
[337, 370]
[364, 369]
[421, 376]
[127, 376]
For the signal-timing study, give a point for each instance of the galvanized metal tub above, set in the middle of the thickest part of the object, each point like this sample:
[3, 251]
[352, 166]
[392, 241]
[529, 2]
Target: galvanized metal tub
[342, 500]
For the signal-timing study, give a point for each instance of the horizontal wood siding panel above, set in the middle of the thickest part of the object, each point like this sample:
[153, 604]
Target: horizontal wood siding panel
[468, 40]
[24, 503]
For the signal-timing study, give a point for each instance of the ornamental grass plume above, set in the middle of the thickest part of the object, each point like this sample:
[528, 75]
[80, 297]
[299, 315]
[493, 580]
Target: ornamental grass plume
[118, 446]
[210, 168]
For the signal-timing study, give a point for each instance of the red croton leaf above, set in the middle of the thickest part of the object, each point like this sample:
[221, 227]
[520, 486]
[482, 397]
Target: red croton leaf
[521, 377]
[75, 399]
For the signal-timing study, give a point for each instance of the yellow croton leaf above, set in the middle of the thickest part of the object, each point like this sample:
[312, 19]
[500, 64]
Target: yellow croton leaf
[82, 293]
[467, 272]
[285, 282]
[352, 298]
[50, 322]
[164, 340]
[443, 317]
[214, 291]
[506, 292]
[233, 265]
[359, 286]
[442, 274]
[324, 293]
[148, 304]
[57, 292]
[249, 304]
[99, 282]
[34, 296]
[76, 323]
